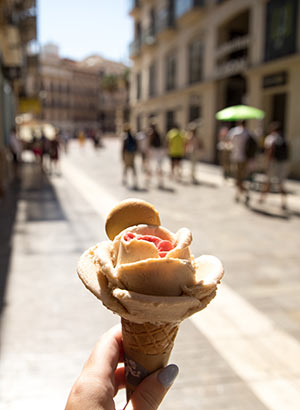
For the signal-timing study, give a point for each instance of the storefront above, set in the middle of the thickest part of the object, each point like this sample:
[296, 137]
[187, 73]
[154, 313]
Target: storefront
[6, 122]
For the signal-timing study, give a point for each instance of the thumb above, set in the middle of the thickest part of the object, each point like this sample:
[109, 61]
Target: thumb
[150, 393]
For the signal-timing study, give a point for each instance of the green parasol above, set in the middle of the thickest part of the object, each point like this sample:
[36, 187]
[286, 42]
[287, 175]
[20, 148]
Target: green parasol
[240, 112]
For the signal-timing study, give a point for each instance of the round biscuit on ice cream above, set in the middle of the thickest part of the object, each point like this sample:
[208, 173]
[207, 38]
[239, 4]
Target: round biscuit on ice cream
[130, 212]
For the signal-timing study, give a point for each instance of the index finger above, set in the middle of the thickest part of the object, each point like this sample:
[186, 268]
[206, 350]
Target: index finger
[106, 355]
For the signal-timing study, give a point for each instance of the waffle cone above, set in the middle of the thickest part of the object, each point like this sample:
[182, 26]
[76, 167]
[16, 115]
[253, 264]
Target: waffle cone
[147, 348]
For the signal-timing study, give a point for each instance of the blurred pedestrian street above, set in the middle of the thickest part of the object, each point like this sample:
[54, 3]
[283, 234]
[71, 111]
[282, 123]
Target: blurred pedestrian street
[241, 353]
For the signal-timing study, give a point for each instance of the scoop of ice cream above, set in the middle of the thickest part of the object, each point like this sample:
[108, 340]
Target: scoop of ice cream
[132, 279]
[140, 268]
[163, 246]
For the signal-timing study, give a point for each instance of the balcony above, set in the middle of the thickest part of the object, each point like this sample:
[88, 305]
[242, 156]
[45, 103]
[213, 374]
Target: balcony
[233, 46]
[166, 22]
[135, 48]
[134, 7]
[188, 11]
[148, 38]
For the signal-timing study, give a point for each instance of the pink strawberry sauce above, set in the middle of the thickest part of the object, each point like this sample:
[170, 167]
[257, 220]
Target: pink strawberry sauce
[163, 246]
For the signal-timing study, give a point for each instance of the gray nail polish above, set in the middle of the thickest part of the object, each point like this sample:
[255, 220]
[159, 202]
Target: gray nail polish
[167, 375]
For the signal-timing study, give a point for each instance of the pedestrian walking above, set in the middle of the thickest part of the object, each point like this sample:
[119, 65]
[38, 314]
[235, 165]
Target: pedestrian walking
[82, 138]
[96, 137]
[129, 149]
[65, 138]
[37, 148]
[277, 155]
[54, 154]
[157, 153]
[45, 148]
[176, 148]
[224, 148]
[238, 136]
[194, 148]
[15, 149]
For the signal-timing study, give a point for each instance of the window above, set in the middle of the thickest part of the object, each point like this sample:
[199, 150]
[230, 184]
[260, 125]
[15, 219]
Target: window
[182, 6]
[166, 16]
[134, 4]
[138, 122]
[151, 118]
[138, 32]
[171, 72]
[170, 120]
[126, 115]
[194, 112]
[152, 80]
[152, 28]
[281, 28]
[195, 56]
[138, 86]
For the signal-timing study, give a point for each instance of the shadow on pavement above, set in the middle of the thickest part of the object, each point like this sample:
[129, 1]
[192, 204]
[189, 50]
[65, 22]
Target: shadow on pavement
[39, 195]
[164, 188]
[199, 183]
[137, 189]
[294, 213]
[205, 184]
[270, 214]
[39, 203]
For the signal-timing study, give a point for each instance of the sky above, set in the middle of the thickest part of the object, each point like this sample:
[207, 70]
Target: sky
[84, 27]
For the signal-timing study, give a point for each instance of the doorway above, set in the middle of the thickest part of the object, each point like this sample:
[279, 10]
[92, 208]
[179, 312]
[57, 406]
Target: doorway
[278, 109]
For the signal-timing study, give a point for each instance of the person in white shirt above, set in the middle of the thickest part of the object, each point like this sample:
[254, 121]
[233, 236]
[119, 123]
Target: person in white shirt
[276, 151]
[238, 137]
[143, 149]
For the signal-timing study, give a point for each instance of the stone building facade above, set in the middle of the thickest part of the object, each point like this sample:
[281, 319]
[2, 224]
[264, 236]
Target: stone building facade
[18, 71]
[74, 96]
[68, 92]
[113, 95]
[192, 58]
[18, 61]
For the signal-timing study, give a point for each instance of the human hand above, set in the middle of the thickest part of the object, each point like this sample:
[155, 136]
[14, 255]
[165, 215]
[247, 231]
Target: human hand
[101, 379]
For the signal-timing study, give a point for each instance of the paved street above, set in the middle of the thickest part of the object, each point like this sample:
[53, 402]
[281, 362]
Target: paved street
[241, 353]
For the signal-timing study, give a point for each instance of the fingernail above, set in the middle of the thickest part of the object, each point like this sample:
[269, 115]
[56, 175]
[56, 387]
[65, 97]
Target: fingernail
[167, 375]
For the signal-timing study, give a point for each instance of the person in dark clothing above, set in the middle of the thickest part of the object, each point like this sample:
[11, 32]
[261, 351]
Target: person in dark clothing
[54, 154]
[129, 149]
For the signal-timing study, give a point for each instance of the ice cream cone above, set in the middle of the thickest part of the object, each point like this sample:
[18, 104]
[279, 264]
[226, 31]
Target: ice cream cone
[147, 275]
[147, 348]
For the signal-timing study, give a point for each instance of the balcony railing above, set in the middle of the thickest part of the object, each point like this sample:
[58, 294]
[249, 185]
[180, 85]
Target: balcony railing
[166, 20]
[232, 46]
[135, 47]
[148, 37]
